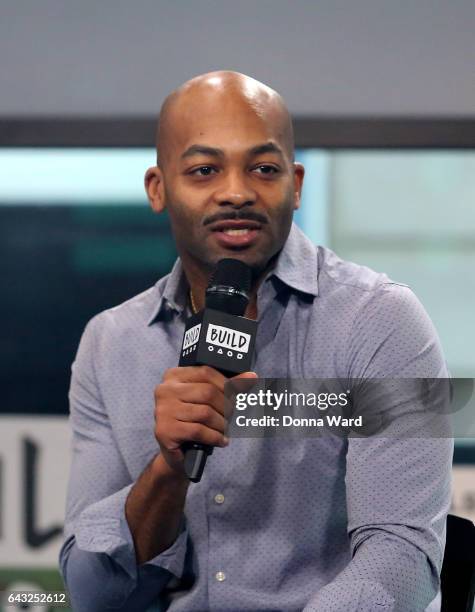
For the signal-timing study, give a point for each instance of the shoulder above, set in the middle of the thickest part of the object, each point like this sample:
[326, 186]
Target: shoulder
[131, 316]
[359, 290]
[335, 272]
[386, 327]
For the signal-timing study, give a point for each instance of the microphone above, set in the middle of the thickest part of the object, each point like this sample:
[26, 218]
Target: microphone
[221, 337]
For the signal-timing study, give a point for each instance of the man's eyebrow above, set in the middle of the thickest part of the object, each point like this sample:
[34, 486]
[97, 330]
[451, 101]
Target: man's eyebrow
[268, 147]
[197, 149]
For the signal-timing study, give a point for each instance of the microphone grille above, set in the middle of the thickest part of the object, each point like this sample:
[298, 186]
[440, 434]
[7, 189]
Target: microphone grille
[233, 273]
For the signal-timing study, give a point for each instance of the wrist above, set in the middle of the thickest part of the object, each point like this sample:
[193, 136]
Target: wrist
[162, 471]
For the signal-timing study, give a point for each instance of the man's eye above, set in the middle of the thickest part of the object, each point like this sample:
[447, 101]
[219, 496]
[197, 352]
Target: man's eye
[265, 169]
[202, 171]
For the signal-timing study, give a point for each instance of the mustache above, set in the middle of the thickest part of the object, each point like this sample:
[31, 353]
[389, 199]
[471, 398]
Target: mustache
[248, 215]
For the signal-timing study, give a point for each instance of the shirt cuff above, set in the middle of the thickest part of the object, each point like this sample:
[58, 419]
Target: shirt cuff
[103, 528]
[352, 596]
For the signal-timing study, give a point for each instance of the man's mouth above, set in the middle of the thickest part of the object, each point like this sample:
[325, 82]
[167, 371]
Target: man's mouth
[236, 234]
[235, 225]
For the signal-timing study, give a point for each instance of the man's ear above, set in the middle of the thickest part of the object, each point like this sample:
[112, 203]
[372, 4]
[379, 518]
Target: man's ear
[155, 189]
[299, 172]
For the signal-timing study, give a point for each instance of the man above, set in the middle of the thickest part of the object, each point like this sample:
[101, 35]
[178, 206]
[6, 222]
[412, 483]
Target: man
[316, 524]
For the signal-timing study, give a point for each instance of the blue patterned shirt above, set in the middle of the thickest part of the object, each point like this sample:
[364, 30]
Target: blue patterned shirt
[316, 524]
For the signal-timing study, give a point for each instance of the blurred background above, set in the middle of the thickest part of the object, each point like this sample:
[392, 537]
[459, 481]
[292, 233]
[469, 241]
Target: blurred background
[383, 98]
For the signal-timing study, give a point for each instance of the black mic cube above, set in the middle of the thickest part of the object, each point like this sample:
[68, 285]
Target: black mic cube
[220, 340]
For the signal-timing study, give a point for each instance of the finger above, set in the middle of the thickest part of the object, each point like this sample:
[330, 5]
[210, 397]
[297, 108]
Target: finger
[203, 414]
[245, 375]
[229, 405]
[196, 374]
[196, 432]
[242, 383]
[201, 393]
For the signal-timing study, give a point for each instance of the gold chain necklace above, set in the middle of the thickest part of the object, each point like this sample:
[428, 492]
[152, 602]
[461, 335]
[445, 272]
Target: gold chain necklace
[193, 305]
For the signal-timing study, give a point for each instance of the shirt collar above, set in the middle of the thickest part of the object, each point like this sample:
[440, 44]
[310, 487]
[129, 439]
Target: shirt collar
[296, 266]
[297, 263]
[172, 293]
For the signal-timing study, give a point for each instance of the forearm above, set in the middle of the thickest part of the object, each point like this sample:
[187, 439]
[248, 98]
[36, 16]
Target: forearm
[386, 574]
[154, 509]
[96, 583]
[99, 565]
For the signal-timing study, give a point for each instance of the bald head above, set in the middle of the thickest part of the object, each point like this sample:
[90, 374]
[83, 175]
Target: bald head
[221, 94]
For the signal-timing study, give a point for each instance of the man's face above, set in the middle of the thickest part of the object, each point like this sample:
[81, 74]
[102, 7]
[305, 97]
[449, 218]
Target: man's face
[229, 185]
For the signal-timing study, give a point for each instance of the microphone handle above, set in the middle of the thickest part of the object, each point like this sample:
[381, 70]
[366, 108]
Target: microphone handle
[195, 459]
[196, 453]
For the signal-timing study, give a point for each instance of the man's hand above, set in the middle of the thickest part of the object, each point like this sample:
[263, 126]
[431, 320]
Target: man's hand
[190, 406]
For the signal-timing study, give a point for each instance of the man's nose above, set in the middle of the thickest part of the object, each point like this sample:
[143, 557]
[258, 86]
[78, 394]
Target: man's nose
[235, 190]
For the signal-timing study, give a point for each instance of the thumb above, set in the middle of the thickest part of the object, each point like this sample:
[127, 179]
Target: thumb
[234, 386]
[245, 375]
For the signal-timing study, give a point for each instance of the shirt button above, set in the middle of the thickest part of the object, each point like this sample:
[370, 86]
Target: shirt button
[219, 498]
[220, 576]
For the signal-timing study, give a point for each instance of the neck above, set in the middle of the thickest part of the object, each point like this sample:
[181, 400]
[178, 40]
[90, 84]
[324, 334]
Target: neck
[198, 304]
[198, 279]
